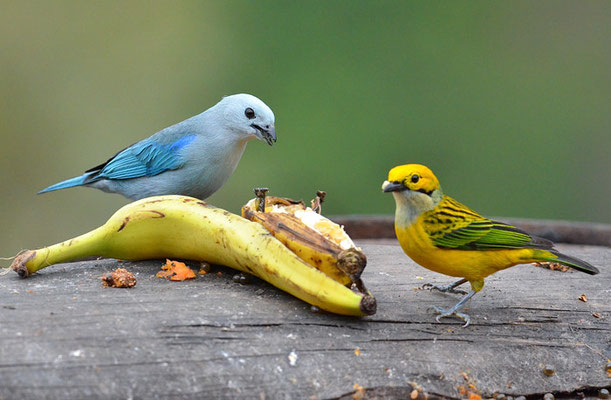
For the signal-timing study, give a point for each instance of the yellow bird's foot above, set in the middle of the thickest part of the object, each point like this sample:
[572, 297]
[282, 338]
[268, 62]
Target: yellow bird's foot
[451, 288]
[443, 312]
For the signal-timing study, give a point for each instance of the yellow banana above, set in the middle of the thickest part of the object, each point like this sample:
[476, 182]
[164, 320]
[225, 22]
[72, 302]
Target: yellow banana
[315, 239]
[184, 227]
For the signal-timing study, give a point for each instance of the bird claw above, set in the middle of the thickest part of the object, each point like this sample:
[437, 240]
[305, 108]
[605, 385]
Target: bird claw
[429, 286]
[443, 289]
[448, 313]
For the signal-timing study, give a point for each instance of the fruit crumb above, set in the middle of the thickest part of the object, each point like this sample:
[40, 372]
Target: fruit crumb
[596, 315]
[119, 278]
[470, 390]
[548, 371]
[204, 268]
[583, 298]
[552, 266]
[357, 352]
[175, 271]
[292, 358]
[359, 393]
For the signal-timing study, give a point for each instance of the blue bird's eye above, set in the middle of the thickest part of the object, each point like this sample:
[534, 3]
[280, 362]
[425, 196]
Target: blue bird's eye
[250, 113]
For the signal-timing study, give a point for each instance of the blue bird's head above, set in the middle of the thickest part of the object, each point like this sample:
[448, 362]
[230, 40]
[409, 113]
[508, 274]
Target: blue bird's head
[249, 116]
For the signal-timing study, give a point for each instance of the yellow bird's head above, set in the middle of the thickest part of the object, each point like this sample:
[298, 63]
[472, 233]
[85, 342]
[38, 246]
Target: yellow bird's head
[413, 177]
[415, 189]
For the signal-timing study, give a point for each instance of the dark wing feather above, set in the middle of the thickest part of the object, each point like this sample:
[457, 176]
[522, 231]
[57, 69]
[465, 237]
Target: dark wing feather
[454, 226]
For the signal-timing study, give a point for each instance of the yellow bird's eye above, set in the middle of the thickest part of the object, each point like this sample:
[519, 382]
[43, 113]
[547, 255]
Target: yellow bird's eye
[415, 178]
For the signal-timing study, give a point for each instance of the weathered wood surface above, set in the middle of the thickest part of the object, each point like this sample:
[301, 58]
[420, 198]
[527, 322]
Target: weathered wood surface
[63, 336]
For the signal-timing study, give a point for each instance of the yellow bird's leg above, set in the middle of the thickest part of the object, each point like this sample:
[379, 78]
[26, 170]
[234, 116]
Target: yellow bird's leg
[443, 312]
[451, 288]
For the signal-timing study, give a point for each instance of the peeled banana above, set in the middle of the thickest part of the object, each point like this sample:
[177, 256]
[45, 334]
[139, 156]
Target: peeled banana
[187, 228]
[315, 239]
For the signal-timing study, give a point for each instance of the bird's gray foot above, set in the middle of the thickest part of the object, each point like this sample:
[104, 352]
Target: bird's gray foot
[451, 288]
[443, 312]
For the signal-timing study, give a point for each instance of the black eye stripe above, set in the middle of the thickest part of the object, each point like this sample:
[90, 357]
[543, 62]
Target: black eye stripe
[250, 113]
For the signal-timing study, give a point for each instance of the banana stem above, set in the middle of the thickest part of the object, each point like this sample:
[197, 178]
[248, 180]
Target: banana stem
[260, 193]
[317, 201]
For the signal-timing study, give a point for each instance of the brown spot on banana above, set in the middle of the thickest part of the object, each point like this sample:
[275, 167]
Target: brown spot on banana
[125, 221]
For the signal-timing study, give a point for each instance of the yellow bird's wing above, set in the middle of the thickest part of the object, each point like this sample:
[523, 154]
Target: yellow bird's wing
[453, 225]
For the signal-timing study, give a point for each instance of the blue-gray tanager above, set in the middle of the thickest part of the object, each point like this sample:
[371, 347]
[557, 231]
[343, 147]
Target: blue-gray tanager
[195, 157]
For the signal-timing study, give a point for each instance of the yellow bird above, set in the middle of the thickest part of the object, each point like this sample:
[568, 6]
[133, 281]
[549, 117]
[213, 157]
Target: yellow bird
[446, 236]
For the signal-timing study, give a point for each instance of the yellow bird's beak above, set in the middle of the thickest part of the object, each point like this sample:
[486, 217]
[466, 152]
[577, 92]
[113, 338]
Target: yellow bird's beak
[392, 187]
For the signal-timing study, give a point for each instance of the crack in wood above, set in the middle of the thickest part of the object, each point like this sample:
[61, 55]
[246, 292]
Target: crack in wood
[266, 325]
[192, 339]
[423, 340]
[547, 309]
[405, 391]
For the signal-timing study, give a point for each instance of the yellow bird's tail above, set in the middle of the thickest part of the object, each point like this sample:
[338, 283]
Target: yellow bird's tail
[569, 261]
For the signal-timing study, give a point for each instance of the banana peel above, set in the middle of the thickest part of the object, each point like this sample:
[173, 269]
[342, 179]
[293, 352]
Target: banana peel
[317, 240]
[183, 227]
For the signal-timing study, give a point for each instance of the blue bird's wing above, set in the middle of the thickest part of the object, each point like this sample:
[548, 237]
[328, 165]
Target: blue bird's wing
[145, 158]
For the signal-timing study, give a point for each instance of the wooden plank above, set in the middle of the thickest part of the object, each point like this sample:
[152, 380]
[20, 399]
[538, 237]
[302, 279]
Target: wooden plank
[383, 226]
[63, 336]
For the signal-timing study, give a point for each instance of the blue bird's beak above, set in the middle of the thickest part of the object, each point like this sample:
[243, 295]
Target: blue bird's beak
[267, 133]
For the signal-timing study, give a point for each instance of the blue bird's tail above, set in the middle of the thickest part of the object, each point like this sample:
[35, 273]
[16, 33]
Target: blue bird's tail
[68, 183]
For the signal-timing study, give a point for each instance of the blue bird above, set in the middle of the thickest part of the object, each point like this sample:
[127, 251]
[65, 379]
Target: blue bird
[194, 158]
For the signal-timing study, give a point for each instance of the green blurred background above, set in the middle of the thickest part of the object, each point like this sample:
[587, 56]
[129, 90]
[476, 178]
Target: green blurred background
[508, 102]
